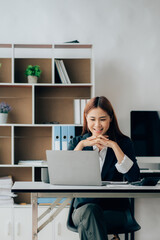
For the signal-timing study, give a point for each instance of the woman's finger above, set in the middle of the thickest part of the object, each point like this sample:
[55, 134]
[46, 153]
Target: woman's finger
[91, 138]
[103, 137]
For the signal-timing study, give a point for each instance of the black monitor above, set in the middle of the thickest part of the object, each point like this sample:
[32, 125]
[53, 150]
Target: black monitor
[145, 133]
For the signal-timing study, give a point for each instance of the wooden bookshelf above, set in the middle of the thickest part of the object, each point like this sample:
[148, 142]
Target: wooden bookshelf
[6, 70]
[56, 103]
[30, 143]
[5, 145]
[18, 174]
[20, 99]
[28, 132]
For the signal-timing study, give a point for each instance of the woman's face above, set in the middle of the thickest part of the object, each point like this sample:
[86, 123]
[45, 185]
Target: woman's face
[98, 121]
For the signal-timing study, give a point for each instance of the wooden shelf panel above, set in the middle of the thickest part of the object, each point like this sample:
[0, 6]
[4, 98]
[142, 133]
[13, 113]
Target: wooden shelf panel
[5, 45]
[56, 103]
[79, 70]
[20, 99]
[19, 174]
[72, 45]
[5, 145]
[6, 70]
[32, 45]
[31, 143]
[45, 66]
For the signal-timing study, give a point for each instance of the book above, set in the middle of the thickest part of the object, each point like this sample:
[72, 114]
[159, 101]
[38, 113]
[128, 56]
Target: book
[65, 72]
[5, 191]
[77, 111]
[60, 71]
[32, 162]
[6, 196]
[83, 104]
[6, 182]
[6, 202]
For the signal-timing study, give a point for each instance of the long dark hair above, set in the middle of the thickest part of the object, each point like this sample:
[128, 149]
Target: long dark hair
[102, 102]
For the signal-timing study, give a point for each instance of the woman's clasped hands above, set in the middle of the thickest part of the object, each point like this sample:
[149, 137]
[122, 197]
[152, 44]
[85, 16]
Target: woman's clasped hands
[100, 141]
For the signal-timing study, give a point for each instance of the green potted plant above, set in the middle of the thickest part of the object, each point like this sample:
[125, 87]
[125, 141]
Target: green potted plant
[33, 73]
[4, 110]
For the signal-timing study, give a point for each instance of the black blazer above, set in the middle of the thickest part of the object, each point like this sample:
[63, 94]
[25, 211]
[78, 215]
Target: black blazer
[110, 173]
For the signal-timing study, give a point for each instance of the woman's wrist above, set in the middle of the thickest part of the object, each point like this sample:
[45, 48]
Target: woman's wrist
[118, 152]
[79, 146]
[114, 145]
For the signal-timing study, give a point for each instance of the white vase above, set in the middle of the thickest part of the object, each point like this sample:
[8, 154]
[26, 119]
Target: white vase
[32, 79]
[3, 118]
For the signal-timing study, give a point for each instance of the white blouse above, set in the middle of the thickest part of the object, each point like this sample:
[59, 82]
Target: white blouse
[122, 167]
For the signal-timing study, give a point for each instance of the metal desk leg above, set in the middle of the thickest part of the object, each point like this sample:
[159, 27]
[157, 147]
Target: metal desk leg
[34, 216]
[132, 207]
[132, 236]
[126, 236]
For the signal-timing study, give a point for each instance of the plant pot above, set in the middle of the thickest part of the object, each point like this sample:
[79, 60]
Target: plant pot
[3, 118]
[32, 79]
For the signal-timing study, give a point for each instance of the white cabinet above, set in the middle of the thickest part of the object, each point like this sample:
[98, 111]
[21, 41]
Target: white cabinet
[47, 231]
[23, 224]
[16, 224]
[6, 223]
[60, 229]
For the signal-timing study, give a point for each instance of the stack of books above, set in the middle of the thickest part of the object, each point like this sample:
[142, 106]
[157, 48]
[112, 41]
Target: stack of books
[32, 162]
[63, 75]
[6, 196]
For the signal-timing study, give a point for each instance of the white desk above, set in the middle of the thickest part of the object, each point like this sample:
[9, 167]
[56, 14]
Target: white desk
[39, 189]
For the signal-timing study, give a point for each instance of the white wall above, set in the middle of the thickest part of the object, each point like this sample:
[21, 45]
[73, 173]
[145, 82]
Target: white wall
[125, 35]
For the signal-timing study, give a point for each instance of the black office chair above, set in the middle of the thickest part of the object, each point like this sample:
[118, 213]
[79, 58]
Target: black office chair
[133, 226]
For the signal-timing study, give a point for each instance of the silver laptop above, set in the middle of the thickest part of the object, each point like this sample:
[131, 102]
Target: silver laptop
[74, 168]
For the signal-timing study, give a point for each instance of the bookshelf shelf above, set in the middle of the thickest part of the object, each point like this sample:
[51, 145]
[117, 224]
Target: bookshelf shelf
[18, 174]
[45, 66]
[5, 145]
[28, 132]
[6, 70]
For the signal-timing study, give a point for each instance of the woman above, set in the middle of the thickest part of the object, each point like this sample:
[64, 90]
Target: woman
[94, 217]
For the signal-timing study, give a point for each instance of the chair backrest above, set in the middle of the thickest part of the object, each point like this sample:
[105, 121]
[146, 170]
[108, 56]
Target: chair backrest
[70, 224]
[131, 226]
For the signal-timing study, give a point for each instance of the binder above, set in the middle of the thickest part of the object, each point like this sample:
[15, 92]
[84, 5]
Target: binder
[64, 131]
[56, 136]
[71, 133]
[83, 104]
[77, 111]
